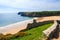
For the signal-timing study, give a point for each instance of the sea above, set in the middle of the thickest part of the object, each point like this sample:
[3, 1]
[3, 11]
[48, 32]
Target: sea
[10, 18]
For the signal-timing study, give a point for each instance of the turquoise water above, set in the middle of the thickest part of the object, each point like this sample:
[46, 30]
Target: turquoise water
[10, 18]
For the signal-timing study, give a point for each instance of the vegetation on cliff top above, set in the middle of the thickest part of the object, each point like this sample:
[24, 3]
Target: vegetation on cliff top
[40, 14]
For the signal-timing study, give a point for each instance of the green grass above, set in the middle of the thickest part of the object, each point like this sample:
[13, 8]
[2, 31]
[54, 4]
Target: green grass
[34, 33]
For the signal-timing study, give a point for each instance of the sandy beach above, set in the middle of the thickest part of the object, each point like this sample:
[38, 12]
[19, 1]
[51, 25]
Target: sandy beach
[41, 19]
[16, 27]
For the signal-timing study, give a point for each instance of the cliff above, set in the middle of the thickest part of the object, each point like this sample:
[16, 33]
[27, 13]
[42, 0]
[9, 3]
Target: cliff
[40, 14]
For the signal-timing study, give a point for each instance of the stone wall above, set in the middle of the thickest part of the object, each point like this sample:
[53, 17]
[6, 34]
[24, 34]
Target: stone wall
[36, 24]
[52, 32]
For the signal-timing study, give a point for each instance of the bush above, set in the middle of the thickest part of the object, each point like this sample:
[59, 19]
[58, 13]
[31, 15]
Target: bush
[8, 36]
[5, 37]
[20, 34]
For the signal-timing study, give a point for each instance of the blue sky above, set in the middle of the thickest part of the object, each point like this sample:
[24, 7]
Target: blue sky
[12, 6]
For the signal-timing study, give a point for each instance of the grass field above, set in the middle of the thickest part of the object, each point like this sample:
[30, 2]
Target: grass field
[34, 33]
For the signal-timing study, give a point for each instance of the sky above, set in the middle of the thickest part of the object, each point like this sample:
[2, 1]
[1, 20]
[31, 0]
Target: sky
[13, 6]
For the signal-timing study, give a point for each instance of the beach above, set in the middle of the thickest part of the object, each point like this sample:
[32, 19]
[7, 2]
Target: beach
[16, 27]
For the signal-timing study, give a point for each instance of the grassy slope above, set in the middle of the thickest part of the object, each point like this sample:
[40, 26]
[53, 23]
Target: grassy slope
[35, 33]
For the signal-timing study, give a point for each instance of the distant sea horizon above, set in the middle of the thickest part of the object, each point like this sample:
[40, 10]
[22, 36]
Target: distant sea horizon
[10, 18]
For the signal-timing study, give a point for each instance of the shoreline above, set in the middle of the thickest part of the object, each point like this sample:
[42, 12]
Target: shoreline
[16, 27]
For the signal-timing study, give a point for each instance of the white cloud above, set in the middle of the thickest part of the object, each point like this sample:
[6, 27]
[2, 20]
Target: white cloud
[29, 5]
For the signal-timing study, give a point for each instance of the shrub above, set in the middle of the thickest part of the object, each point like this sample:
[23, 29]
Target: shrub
[20, 34]
[8, 36]
[5, 37]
